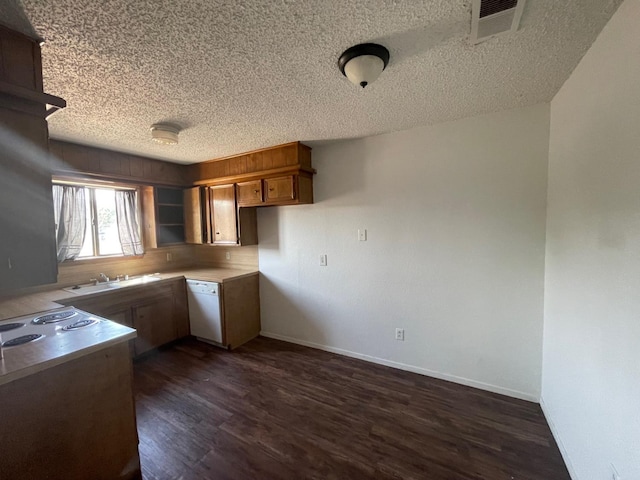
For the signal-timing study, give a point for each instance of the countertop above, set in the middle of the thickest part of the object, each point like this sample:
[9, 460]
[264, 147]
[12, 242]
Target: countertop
[59, 347]
[21, 361]
[219, 275]
[15, 306]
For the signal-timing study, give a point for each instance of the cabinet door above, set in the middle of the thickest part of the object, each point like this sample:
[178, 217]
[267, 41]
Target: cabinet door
[181, 308]
[155, 324]
[107, 306]
[28, 249]
[249, 193]
[223, 207]
[123, 317]
[280, 189]
[192, 215]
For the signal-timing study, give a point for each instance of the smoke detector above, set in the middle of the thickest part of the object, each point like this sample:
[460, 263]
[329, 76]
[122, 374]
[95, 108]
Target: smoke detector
[490, 18]
[165, 134]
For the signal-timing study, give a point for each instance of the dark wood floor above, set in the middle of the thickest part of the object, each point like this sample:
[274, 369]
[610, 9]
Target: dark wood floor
[273, 410]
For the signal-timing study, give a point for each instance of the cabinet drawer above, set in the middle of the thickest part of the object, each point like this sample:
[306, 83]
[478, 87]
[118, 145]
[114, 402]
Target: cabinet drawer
[280, 189]
[249, 193]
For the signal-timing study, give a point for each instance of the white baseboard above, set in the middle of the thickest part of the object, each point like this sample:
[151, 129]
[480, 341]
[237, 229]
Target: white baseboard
[556, 435]
[409, 368]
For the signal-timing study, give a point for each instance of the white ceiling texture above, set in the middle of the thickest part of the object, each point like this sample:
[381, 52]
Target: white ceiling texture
[242, 75]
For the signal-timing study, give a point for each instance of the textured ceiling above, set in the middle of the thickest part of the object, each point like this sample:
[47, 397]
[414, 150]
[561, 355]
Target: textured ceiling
[241, 75]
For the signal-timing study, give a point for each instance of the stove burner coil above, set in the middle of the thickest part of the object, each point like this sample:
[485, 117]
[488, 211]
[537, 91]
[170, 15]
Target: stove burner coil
[10, 326]
[80, 324]
[53, 317]
[21, 340]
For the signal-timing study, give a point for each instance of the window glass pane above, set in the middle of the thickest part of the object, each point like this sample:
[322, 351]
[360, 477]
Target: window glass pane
[87, 246]
[108, 239]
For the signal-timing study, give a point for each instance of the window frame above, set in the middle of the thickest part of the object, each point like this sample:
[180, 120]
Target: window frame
[92, 185]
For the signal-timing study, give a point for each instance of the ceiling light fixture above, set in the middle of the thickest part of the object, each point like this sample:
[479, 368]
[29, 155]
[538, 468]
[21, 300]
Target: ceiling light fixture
[164, 133]
[363, 63]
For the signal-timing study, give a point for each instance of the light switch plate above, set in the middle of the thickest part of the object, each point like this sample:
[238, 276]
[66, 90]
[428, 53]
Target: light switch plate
[362, 234]
[323, 260]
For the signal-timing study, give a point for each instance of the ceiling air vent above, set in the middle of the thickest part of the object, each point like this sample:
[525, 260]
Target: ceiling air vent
[494, 17]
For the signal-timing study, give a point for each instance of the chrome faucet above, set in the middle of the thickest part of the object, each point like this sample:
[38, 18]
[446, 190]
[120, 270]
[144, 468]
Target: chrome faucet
[102, 278]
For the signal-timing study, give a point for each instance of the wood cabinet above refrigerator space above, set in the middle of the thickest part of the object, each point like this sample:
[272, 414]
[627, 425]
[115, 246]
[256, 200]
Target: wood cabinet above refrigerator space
[274, 191]
[27, 243]
[220, 210]
[280, 175]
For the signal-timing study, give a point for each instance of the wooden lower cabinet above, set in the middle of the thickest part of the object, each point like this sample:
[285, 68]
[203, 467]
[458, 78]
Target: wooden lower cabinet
[240, 306]
[74, 421]
[123, 317]
[155, 324]
[158, 311]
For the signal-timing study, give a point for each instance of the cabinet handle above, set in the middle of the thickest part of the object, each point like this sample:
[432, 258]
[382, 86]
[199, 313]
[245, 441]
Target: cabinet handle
[271, 189]
[256, 191]
[9, 263]
[217, 233]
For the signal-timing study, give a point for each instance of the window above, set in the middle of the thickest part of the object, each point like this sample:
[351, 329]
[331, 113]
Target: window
[94, 221]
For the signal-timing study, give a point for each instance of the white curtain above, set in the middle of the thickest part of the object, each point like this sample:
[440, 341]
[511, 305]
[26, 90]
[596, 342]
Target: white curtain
[71, 220]
[128, 224]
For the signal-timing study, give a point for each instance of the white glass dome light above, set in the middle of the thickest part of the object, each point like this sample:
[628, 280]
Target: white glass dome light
[363, 64]
[164, 134]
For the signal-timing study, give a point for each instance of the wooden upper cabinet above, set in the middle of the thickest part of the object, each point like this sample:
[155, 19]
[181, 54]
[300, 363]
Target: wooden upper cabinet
[20, 60]
[74, 159]
[280, 175]
[249, 193]
[169, 215]
[27, 243]
[224, 219]
[280, 189]
[192, 215]
[227, 223]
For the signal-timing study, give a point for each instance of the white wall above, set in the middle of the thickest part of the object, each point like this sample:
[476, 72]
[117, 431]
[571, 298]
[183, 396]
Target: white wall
[455, 215]
[591, 372]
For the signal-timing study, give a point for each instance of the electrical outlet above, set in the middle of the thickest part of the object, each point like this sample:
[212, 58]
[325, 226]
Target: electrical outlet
[227, 255]
[169, 257]
[362, 234]
[614, 473]
[400, 334]
[323, 260]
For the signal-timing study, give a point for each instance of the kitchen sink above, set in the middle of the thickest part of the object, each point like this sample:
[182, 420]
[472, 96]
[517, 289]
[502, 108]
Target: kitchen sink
[91, 288]
[138, 280]
[87, 288]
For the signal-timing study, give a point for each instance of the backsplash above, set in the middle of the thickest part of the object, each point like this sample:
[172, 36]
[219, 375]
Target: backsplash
[155, 260]
[245, 258]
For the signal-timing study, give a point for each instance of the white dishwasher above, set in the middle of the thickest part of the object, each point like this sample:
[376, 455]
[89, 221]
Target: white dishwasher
[204, 310]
